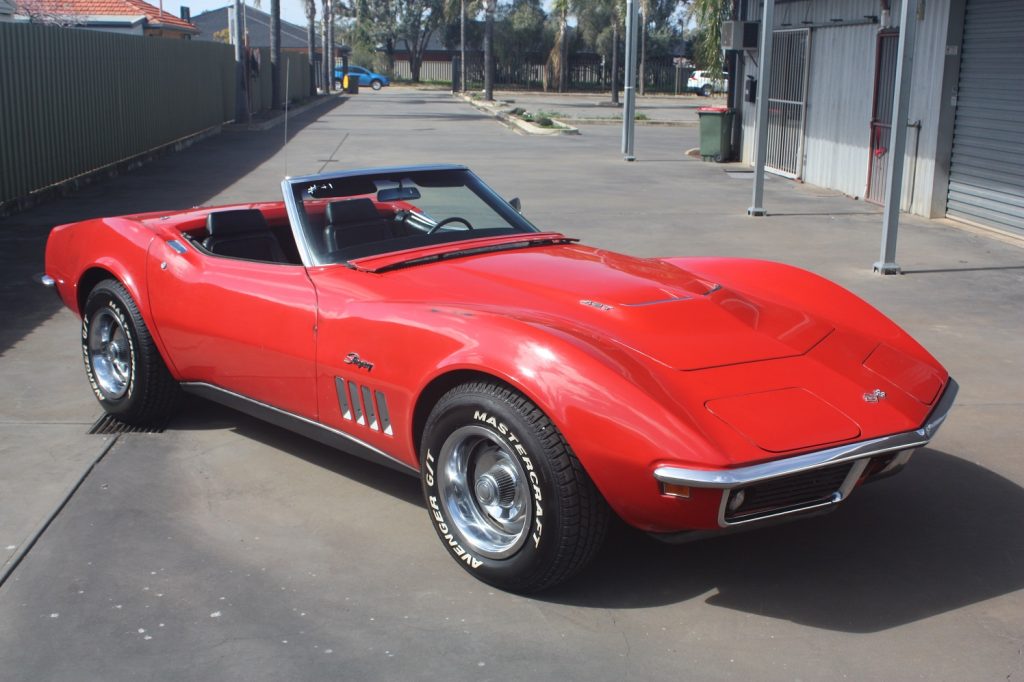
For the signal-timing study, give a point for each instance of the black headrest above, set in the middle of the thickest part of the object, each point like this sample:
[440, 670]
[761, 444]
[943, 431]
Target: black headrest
[236, 221]
[351, 211]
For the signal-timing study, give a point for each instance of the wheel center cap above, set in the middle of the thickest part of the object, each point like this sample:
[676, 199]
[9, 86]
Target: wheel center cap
[486, 489]
[497, 486]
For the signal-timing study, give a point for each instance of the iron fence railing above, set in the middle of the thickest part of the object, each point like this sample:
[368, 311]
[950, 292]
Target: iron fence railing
[587, 73]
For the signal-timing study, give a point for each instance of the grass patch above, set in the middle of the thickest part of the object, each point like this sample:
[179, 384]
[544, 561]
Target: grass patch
[541, 118]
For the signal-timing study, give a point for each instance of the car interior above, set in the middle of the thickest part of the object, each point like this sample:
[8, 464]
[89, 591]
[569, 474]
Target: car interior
[357, 217]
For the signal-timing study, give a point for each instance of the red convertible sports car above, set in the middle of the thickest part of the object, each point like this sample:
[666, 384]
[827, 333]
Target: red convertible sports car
[534, 384]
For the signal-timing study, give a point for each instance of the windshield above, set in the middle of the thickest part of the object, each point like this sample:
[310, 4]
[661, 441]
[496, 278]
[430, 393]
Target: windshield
[352, 216]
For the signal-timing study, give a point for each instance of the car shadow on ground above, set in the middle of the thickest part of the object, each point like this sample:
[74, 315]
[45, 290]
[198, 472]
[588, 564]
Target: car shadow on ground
[199, 415]
[942, 535]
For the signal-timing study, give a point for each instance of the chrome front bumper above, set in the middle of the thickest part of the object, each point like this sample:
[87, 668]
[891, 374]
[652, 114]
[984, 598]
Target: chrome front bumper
[857, 455]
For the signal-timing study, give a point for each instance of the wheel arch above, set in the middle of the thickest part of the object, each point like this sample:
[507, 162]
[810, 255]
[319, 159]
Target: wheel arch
[440, 385]
[88, 281]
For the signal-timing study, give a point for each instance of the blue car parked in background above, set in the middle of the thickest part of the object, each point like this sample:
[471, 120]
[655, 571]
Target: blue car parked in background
[367, 78]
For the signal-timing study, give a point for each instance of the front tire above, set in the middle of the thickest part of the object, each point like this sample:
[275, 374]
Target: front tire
[376, 84]
[706, 91]
[506, 495]
[122, 363]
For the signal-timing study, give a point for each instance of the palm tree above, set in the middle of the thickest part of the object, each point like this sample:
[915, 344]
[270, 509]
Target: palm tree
[310, 6]
[328, 59]
[708, 15]
[559, 55]
[275, 54]
[490, 6]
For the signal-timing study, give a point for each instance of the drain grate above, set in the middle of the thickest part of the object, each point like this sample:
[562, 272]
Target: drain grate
[109, 424]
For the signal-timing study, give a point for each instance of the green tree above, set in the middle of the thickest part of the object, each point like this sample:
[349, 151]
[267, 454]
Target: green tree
[601, 26]
[417, 21]
[376, 28]
[708, 16]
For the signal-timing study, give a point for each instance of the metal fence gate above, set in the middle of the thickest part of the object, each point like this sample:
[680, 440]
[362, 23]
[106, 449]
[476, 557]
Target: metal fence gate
[787, 102]
[881, 116]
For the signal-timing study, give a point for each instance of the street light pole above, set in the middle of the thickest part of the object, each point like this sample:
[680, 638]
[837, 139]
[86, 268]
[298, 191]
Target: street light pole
[629, 108]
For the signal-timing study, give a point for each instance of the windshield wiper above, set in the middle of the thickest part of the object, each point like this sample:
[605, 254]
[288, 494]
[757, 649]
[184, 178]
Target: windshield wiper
[473, 251]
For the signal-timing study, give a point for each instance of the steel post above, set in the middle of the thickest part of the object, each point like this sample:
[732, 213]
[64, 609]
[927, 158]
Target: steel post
[629, 89]
[886, 264]
[763, 86]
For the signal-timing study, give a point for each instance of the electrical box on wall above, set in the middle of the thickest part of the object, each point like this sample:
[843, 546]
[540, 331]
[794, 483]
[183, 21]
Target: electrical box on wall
[750, 90]
[740, 35]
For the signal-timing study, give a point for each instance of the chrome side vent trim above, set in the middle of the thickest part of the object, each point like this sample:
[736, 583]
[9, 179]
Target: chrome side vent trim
[371, 414]
[363, 405]
[385, 416]
[346, 411]
[357, 408]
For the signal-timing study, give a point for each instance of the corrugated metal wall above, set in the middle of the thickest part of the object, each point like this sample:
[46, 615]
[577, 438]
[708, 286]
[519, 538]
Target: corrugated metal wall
[840, 88]
[73, 101]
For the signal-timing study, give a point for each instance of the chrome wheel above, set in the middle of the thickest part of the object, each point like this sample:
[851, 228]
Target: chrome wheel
[484, 490]
[110, 354]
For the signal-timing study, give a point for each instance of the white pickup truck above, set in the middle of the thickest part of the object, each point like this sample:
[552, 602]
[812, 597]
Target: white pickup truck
[699, 82]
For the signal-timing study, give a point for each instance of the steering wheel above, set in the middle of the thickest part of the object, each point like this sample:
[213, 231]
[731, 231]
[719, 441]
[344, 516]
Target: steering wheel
[453, 219]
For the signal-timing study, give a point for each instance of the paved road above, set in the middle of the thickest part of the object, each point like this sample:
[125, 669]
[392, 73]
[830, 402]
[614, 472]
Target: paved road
[226, 549]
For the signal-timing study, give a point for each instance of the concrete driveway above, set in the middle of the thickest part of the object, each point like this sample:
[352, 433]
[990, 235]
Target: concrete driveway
[226, 549]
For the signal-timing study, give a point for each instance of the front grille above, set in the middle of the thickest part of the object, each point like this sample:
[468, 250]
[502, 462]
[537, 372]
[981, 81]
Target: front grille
[788, 493]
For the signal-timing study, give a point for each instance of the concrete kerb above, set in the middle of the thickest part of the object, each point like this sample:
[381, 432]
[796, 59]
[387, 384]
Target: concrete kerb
[494, 109]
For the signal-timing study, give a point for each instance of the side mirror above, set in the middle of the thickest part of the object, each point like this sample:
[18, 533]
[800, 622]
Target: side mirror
[516, 204]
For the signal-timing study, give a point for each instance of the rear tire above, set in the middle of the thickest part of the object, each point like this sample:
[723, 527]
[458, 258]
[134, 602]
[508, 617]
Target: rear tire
[506, 495]
[124, 367]
[706, 91]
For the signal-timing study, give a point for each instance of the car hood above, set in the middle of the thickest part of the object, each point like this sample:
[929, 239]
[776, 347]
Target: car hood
[652, 307]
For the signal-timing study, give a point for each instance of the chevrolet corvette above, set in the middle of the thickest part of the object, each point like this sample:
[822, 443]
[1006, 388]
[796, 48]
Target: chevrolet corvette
[535, 385]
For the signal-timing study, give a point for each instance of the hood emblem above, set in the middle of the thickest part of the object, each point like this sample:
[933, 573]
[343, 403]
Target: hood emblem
[874, 396]
[596, 304]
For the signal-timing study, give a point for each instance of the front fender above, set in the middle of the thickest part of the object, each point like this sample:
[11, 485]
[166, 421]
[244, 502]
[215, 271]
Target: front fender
[621, 413]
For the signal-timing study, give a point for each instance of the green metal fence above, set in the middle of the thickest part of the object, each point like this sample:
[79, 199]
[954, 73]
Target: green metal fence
[294, 79]
[73, 100]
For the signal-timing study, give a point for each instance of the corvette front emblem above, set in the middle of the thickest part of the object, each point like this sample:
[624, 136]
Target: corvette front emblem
[874, 396]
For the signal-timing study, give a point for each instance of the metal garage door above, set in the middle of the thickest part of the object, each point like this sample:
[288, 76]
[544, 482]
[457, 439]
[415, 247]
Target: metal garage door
[986, 175]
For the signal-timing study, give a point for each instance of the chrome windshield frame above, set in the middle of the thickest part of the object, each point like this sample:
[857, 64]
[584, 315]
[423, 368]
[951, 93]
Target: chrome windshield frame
[296, 214]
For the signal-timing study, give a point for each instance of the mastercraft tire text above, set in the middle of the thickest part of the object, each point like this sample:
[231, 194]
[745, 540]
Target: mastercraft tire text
[505, 494]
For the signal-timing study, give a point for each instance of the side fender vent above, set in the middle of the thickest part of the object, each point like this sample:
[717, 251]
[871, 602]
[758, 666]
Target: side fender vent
[364, 406]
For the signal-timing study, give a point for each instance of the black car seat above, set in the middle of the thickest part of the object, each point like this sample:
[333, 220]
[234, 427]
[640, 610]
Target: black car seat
[242, 233]
[355, 221]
